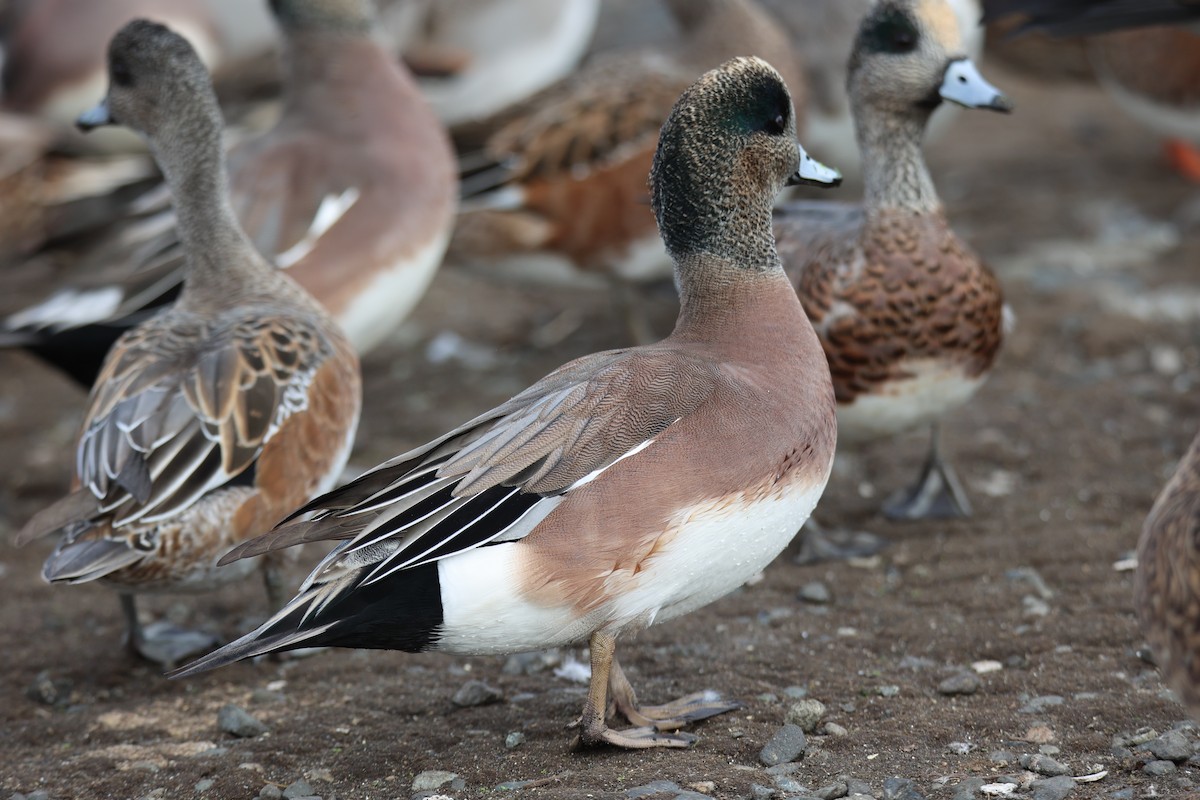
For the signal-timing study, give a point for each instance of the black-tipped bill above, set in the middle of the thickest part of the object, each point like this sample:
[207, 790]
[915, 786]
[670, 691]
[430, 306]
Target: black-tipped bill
[95, 117]
[964, 85]
[814, 173]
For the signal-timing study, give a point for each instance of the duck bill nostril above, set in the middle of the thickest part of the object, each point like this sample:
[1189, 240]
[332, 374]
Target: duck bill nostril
[95, 117]
[962, 84]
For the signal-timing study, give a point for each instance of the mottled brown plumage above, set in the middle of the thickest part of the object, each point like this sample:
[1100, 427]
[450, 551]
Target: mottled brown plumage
[1168, 580]
[214, 419]
[624, 488]
[569, 179]
[909, 317]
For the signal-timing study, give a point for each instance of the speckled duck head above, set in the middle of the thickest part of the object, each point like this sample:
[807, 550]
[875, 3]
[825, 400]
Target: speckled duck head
[347, 16]
[157, 86]
[725, 152]
[909, 57]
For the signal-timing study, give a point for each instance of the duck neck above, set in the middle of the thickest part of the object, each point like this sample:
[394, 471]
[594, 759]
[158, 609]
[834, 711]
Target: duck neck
[894, 168]
[192, 161]
[324, 70]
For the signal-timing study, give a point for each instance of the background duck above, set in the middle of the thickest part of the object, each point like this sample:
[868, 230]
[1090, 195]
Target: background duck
[823, 31]
[910, 318]
[1144, 55]
[559, 192]
[213, 419]
[353, 191]
[1168, 580]
[625, 488]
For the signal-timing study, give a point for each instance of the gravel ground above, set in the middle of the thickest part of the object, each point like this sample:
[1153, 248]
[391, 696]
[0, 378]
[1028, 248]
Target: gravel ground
[992, 657]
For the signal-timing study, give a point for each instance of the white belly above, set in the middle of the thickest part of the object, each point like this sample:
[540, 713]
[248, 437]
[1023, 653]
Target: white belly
[933, 391]
[711, 550]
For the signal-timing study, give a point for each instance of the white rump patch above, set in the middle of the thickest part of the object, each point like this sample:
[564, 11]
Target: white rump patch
[69, 308]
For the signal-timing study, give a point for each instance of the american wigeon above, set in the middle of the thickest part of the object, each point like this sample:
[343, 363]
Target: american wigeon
[627, 487]
[353, 192]
[215, 418]
[475, 58]
[559, 192]
[54, 53]
[910, 318]
[1151, 70]
[1167, 583]
[824, 31]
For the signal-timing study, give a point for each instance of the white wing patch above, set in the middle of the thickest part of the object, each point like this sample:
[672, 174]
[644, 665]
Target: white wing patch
[333, 207]
[591, 476]
[68, 309]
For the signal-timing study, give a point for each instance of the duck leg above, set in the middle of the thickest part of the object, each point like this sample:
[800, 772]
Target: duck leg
[594, 729]
[937, 494]
[161, 642]
[670, 716]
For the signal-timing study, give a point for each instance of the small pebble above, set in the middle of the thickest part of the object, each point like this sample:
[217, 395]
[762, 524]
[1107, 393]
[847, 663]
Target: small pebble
[1043, 765]
[759, 792]
[1171, 746]
[889, 691]
[1121, 794]
[968, 789]
[960, 748]
[270, 792]
[432, 779]
[1140, 736]
[1159, 769]
[807, 714]
[786, 745]
[1056, 788]
[815, 592]
[236, 721]
[796, 692]
[476, 693]
[297, 789]
[652, 788]
[48, 691]
[1039, 704]
[901, 789]
[834, 791]
[514, 740]
[833, 729]
[40, 794]
[204, 785]
[1002, 757]
[961, 683]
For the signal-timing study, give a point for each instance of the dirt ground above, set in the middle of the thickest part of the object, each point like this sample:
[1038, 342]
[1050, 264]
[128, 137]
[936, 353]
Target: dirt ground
[1062, 452]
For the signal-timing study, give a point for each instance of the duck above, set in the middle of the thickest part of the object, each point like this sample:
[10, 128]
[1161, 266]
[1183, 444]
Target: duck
[627, 487]
[1167, 581]
[214, 418]
[557, 195]
[476, 58]
[54, 55]
[824, 31]
[1146, 56]
[353, 192]
[910, 318]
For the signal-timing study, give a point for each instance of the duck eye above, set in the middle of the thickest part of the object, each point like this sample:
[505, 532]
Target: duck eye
[776, 125]
[121, 74]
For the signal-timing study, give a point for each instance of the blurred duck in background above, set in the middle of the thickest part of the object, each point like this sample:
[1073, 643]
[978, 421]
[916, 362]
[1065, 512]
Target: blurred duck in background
[213, 419]
[558, 193]
[1167, 584]
[1144, 54]
[353, 192]
[823, 31]
[475, 58]
[909, 317]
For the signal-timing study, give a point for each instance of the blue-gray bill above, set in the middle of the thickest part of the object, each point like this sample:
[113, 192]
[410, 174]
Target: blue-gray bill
[95, 117]
[814, 173]
[964, 85]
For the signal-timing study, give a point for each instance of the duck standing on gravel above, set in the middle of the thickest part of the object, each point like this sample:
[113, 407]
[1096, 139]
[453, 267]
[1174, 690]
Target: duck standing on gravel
[212, 420]
[910, 318]
[627, 487]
